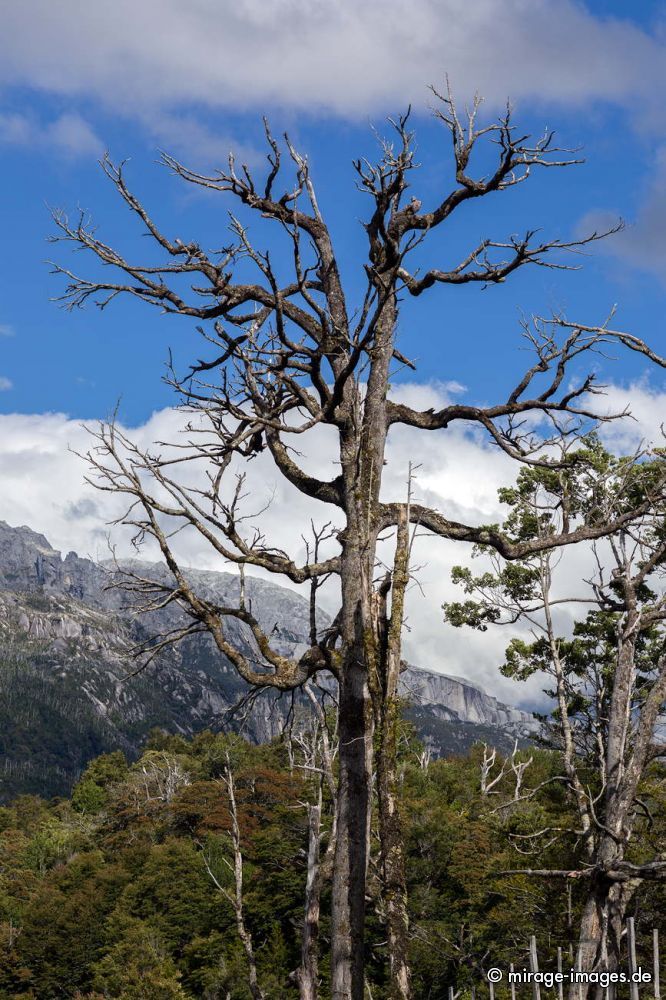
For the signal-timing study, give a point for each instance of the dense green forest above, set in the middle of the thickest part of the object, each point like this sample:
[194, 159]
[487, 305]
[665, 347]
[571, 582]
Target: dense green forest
[121, 890]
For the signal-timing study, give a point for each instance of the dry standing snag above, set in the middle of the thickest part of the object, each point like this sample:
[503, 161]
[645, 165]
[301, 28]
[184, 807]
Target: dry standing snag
[287, 357]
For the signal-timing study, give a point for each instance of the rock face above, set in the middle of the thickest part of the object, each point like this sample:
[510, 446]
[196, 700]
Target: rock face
[455, 698]
[66, 645]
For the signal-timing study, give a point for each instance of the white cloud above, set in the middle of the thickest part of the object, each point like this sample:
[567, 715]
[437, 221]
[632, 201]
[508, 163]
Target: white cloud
[68, 134]
[6, 330]
[645, 429]
[199, 144]
[336, 55]
[71, 134]
[5, 383]
[43, 487]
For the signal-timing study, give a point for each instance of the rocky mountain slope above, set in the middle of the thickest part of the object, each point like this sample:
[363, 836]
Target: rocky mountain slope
[66, 643]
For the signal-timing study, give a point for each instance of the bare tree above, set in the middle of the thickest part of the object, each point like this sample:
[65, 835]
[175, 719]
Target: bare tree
[317, 751]
[383, 684]
[510, 765]
[609, 673]
[486, 782]
[235, 896]
[291, 355]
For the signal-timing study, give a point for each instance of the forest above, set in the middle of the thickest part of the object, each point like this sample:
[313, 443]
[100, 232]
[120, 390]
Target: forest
[126, 889]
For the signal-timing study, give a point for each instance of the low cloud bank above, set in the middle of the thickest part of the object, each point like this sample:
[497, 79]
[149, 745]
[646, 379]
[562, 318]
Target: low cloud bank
[459, 472]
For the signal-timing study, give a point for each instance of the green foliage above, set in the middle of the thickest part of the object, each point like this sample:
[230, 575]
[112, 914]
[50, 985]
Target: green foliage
[47, 733]
[470, 613]
[138, 966]
[119, 903]
[173, 893]
[91, 792]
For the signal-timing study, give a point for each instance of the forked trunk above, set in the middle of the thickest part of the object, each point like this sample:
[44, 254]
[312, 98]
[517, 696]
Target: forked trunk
[599, 942]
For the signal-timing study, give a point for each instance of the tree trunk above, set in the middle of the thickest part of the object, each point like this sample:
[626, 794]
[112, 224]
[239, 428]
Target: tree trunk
[387, 716]
[308, 976]
[393, 858]
[353, 831]
[599, 942]
[362, 447]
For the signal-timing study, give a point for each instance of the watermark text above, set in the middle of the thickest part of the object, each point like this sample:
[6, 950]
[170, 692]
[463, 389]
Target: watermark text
[551, 979]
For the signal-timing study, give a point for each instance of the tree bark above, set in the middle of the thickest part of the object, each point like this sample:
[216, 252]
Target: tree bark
[353, 831]
[600, 938]
[308, 977]
[362, 447]
[387, 715]
[394, 880]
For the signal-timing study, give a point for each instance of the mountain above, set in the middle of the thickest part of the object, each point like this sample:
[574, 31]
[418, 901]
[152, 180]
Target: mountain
[66, 641]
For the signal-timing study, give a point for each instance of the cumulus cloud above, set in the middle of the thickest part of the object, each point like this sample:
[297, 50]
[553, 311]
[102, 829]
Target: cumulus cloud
[44, 487]
[69, 134]
[645, 429]
[341, 56]
[458, 473]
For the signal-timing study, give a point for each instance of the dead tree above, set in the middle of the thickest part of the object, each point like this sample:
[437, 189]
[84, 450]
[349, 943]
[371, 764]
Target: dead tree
[308, 974]
[510, 765]
[609, 673]
[486, 783]
[235, 896]
[318, 755]
[289, 355]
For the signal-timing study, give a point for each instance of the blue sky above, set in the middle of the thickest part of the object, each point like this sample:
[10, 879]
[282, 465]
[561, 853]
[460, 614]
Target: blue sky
[196, 80]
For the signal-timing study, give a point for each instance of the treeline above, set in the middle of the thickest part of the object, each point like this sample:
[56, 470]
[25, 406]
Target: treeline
[48, 731]
[128, 889]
